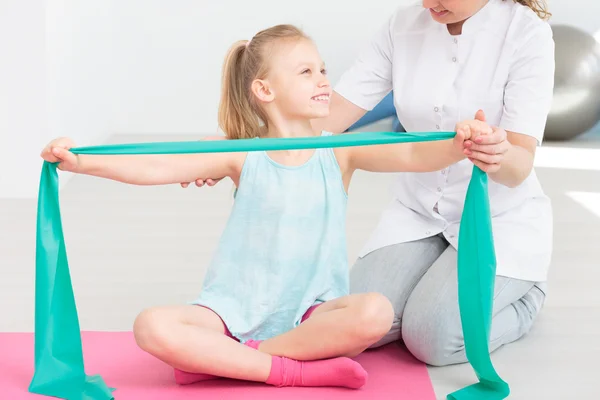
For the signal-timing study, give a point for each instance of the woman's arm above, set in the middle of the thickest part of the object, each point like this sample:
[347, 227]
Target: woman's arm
[509, 162]
[527, 101]
[364, 84]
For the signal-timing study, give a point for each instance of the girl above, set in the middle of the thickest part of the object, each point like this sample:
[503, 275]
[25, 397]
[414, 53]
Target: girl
[274, 306]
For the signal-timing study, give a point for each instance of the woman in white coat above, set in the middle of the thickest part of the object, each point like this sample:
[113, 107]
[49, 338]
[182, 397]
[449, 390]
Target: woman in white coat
[444, 60]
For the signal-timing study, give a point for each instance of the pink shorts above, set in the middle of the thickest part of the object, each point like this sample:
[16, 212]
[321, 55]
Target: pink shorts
[306, 315]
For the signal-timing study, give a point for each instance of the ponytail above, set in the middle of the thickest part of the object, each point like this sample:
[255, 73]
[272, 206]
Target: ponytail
[240, 115]
[237, 117]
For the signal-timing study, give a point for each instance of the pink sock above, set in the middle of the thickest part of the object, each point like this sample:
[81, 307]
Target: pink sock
[340, 372]
[253, 343]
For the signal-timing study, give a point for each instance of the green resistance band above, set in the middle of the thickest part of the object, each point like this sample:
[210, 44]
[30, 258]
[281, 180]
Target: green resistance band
[59, 366]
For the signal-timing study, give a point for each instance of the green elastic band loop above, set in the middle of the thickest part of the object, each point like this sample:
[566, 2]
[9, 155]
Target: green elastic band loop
[59, 365]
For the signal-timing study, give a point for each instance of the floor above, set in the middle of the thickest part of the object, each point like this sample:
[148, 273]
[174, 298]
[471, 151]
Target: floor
[131, 247]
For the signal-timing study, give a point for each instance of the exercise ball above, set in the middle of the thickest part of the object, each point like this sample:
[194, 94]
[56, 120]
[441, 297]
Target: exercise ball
[576, 104]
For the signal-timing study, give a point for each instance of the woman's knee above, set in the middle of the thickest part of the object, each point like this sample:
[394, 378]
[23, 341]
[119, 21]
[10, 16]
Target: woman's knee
[374, 316]
[433, 336]
[433, 348]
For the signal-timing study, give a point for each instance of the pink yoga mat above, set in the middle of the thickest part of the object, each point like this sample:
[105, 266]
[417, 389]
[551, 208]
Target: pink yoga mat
[393, 374]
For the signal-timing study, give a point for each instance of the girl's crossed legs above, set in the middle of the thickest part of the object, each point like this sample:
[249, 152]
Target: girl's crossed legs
[194, 339]
[345, 326]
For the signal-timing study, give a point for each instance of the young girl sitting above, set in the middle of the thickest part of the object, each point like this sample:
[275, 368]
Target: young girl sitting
[274, 306]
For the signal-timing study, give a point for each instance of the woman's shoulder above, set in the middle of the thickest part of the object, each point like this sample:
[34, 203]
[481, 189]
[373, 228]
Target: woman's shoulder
[522, 22]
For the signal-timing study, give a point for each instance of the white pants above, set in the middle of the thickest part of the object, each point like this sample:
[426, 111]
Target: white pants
[420, 279]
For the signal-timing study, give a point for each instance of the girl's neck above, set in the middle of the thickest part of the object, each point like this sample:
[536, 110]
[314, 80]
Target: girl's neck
[289, 129]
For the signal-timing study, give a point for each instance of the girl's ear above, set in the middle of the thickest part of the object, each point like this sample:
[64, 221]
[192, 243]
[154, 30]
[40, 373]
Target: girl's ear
[262, 90]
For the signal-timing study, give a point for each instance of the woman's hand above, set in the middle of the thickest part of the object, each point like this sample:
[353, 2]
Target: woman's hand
[487, 152]
[485, 146]
[201, 181]
[468, 130]
[58, 151]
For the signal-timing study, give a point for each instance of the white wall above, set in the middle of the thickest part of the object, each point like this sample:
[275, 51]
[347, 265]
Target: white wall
[79, 72]
[171, 55]
[55, 80]
[88, 69]
[23, 124]
[579, 13]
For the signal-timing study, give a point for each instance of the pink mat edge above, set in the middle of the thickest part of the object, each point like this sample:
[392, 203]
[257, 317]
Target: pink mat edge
[415, 379]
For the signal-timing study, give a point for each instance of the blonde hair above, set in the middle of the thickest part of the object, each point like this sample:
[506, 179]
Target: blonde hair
[240, 116]
[538, 6]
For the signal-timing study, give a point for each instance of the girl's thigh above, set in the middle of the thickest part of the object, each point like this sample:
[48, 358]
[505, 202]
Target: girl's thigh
[163, 319]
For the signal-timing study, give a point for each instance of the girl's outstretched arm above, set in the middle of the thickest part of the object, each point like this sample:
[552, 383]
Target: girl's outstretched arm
[405, 157]
[416, 156]
[144, 169]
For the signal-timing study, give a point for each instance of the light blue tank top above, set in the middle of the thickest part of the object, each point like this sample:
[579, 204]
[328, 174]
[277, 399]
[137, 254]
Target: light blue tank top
[283, 248]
